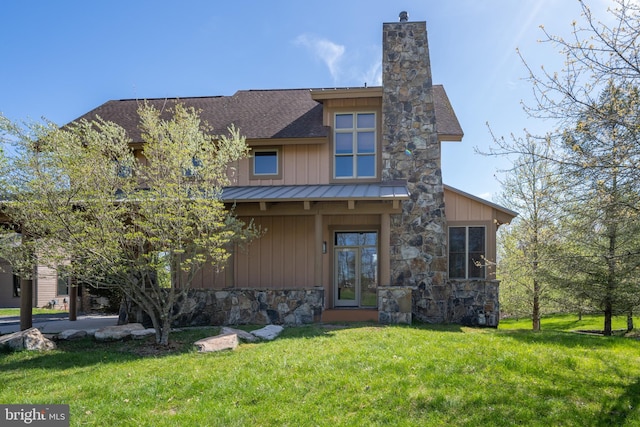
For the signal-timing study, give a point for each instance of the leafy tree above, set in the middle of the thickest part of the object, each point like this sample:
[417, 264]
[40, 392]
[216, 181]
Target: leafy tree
[604, 209]
[142, 221]
[592, 103]
[531, 188]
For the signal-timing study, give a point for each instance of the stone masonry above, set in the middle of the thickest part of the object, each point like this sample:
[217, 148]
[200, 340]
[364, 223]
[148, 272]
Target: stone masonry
[411, 153]
[246, 307]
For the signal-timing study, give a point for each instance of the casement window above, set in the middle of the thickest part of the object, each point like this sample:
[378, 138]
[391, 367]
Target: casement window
[467, 249]
[266, 163]
[354, 152]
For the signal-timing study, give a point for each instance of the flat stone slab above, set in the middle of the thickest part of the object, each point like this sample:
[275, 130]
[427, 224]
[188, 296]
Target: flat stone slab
[29, 339]
[269, 332]
[119, 332]
[243, 335]
[217, 343]
[72, 334]
[142, 334]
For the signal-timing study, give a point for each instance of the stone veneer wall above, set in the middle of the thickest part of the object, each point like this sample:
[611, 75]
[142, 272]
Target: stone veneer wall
[411, 153]
[248, 307]
[395, 304]
[469, 302]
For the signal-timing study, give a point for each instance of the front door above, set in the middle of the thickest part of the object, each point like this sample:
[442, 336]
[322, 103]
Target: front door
[356, 269]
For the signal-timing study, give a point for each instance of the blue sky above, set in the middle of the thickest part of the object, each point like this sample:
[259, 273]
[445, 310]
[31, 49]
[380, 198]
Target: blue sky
[60, 59]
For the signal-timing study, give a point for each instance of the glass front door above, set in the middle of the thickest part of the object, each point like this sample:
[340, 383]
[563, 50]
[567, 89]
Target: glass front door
[356, 269]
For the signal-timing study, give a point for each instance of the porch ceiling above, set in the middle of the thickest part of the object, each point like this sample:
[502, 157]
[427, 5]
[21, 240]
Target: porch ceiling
[325, 192]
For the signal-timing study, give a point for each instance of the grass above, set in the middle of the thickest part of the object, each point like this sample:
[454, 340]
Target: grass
[6, 312]
[361, 375]
[567, 323]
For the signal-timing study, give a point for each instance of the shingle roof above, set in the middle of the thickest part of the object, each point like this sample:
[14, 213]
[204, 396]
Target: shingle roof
[257, 113]
[447, 124]
[260, 114]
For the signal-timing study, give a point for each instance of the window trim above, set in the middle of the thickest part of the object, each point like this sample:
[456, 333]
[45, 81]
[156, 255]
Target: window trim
[278, 175]
[354, 132]
[466, 254]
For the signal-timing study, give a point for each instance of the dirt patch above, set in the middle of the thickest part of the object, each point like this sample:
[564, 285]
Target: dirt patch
[153, 349]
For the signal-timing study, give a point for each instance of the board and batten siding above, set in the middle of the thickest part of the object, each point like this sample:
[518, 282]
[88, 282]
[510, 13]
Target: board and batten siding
[460, 208]
[47, 287]
[304, 164]
[7, 300]
[282, 258]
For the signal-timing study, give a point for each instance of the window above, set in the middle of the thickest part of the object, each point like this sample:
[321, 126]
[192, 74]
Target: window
[63, 284]
[355, 145]
[466, 252]
[265, 163]
[122, 170]
[192, 170]
[16, 286]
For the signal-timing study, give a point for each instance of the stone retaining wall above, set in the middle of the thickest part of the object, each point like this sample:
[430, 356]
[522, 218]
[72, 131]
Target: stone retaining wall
[249, 307]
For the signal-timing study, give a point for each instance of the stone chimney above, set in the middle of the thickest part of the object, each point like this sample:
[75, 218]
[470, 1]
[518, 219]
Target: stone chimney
[411, 153]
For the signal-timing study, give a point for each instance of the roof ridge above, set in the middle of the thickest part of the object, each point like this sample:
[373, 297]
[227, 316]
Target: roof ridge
[162, 98]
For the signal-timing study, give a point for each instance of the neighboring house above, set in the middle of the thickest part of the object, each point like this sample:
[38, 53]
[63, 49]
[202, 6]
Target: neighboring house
[48, 287]
[347, 183]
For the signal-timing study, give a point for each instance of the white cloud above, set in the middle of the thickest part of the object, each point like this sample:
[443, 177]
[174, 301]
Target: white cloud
[373, 76]
[327, 51]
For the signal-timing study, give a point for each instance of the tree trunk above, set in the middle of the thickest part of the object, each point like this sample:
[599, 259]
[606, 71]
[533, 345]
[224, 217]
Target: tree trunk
[608, 314]
[536, 305]
[162, 326]
[630, 321]
[164, 333]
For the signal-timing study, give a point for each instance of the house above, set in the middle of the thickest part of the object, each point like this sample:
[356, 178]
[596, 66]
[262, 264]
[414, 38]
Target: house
[49, 289]
[347, 183]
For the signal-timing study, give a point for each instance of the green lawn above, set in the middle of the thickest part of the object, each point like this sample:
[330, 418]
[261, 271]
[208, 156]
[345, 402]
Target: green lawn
[362, 375]
[567, 323]
[4, 312]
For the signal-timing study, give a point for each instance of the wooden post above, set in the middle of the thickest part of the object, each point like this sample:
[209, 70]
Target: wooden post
[317, 263]
[26, 303]
[26, 296]
[73, 301]
[385, 250]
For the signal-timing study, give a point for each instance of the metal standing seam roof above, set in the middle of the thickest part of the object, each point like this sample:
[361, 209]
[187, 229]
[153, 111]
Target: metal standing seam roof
[327, 192]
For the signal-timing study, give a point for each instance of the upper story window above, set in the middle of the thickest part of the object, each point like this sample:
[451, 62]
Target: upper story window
[467, 249]
[355, 145]
[192, 169]
[266, 163]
